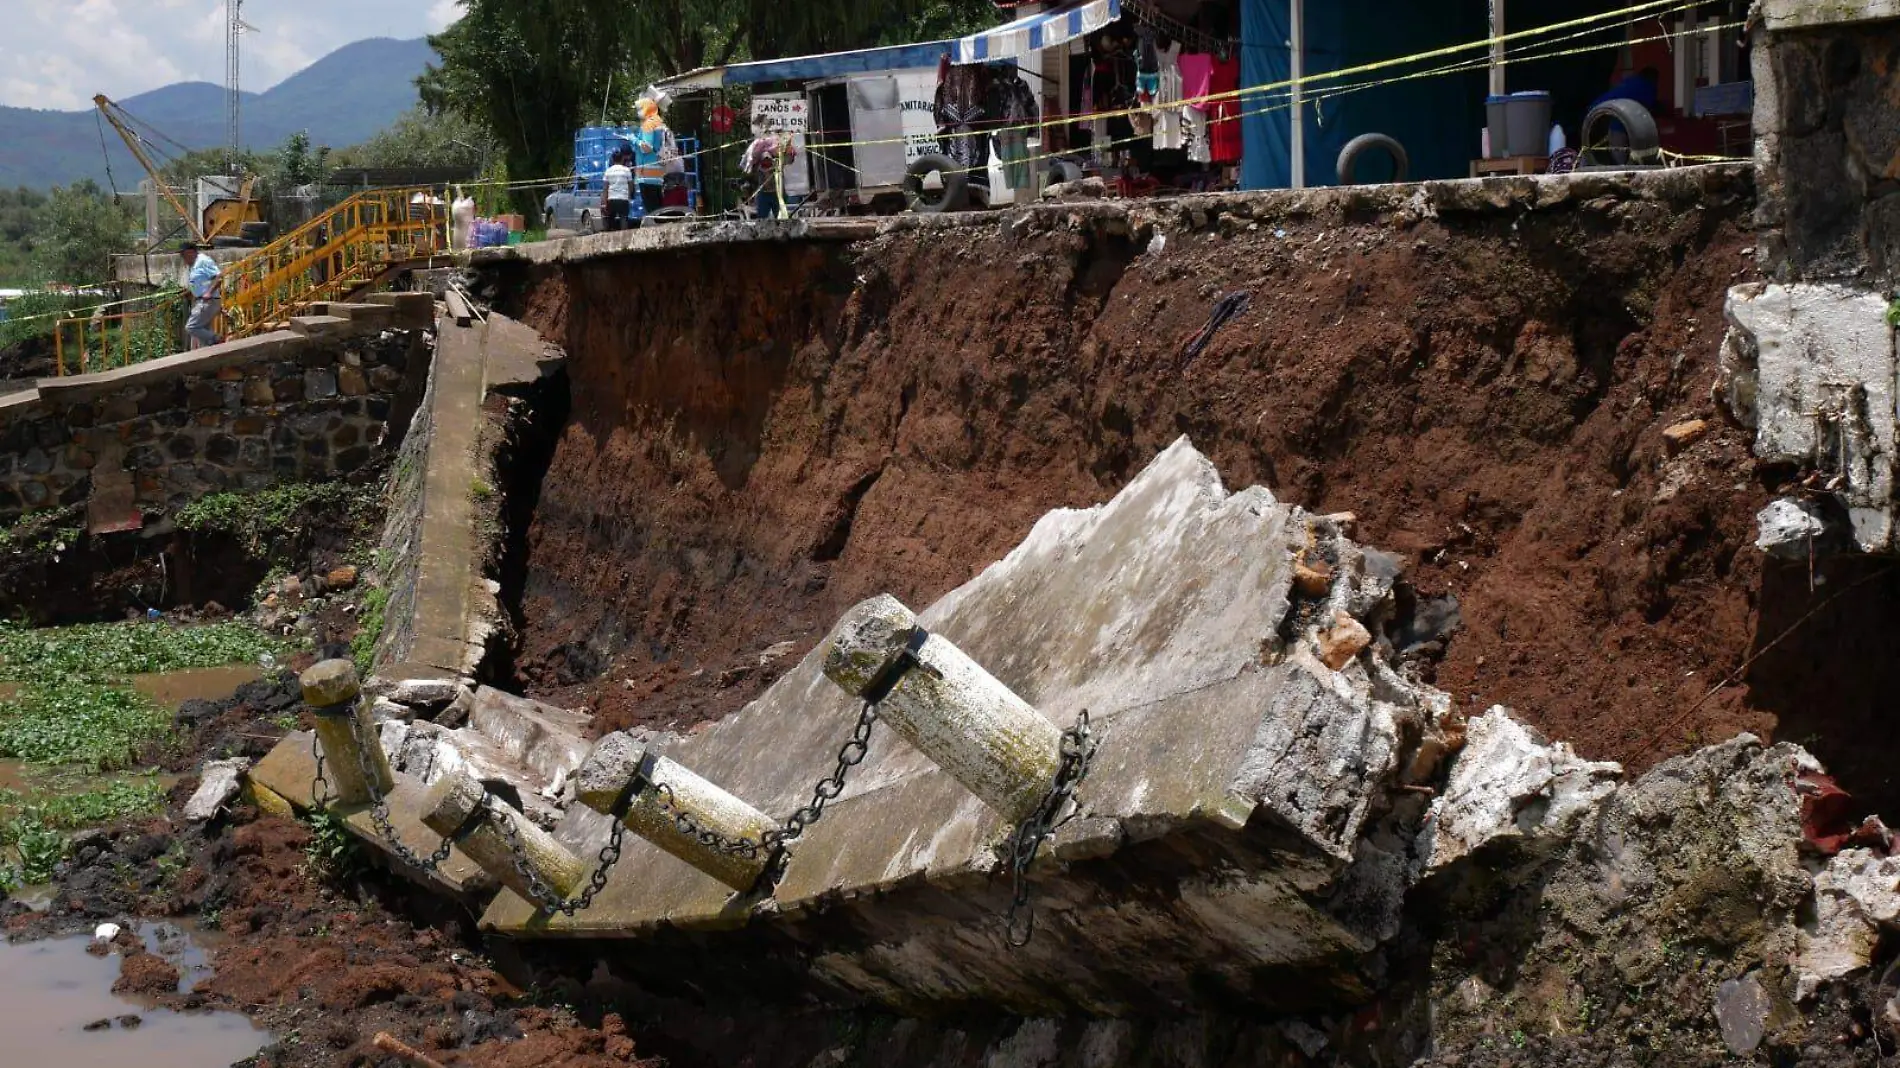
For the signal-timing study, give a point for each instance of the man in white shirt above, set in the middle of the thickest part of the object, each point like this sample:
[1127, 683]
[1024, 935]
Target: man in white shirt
[616, 192]
[206, 283]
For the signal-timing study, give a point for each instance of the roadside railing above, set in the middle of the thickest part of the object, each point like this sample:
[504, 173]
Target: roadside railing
[325, 259]
[84, 344]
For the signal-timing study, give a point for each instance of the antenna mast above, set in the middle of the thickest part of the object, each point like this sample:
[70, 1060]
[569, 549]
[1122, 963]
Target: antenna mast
[234, 29]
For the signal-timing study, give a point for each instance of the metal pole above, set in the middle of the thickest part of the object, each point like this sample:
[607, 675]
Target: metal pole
[1497, 51]
[1296, 19]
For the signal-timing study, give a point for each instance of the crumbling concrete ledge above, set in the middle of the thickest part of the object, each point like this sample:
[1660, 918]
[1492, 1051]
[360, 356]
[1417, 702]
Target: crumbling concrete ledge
[1227, 842]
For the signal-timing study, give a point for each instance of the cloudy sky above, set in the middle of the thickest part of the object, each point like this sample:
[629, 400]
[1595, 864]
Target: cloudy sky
[58, 53]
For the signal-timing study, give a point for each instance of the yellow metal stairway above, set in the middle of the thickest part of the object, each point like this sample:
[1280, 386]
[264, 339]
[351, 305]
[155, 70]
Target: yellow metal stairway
[351, 247]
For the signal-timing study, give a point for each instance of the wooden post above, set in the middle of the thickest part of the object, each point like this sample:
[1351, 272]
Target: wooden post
[349, 740]
[947, 706]
[455, 807]
[647, 792]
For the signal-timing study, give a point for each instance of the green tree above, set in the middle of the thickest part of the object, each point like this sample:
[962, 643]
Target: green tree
[80, 229]
[298, 163]
[420, 140]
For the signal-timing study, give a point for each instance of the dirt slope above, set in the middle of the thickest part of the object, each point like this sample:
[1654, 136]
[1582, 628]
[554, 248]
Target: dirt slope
[762, 435]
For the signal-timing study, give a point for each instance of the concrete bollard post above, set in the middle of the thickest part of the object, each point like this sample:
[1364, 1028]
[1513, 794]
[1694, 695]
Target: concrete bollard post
[645, 790]
[454, 808]
[948, 707]
[350, 742]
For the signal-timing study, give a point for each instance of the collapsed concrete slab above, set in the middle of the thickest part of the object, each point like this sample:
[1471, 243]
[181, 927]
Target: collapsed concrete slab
[1225, 843]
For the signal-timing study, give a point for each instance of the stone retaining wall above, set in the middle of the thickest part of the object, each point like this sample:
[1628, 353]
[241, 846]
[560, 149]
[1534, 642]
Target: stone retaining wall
[308, 404]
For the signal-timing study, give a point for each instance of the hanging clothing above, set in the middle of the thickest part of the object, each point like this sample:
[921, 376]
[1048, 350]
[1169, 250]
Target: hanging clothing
[1197, 73]
[960, 109]
[1013, 106]
[1147, 65]
[1170, 122]
[1223, 115]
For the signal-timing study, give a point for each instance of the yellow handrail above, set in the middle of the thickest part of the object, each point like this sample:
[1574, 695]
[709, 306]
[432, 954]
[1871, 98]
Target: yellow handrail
[327, 257]
[330, 256]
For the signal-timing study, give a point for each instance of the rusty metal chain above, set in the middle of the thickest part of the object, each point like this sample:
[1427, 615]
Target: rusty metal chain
[543, 895]
[319, 786]
[379, 817]
[1078, 753]
[771, 842]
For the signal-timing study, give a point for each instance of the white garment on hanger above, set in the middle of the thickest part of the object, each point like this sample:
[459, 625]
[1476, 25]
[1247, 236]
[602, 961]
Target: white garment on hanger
[1169, 121]
[1194, 135]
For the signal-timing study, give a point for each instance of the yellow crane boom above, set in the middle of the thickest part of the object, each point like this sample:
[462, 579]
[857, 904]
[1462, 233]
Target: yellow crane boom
[117, 116]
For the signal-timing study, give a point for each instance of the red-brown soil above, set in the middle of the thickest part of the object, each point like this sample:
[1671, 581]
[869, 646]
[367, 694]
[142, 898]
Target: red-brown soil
[762, 435]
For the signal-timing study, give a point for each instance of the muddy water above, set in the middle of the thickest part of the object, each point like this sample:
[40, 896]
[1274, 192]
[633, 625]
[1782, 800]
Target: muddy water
[210, 684]
[51, 991]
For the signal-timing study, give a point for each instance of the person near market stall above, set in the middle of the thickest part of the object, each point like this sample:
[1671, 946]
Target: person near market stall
[763, 158]
[1015, 112]
[616, 191]
[650, 146]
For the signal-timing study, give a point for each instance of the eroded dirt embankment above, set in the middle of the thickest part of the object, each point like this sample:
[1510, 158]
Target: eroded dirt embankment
[762, 435]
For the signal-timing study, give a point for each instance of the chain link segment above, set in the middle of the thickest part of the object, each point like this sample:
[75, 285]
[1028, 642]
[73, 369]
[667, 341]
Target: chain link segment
[544, 896]
[772, 842]
[1078, 753]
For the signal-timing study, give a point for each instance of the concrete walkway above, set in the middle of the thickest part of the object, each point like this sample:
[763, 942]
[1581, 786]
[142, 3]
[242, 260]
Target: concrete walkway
[445, 624]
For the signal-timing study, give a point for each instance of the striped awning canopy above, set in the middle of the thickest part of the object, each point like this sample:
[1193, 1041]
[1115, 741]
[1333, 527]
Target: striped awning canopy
[1032, 33]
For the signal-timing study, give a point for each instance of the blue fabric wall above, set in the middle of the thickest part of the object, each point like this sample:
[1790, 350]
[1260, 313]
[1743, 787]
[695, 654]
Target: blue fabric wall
[1437, 119]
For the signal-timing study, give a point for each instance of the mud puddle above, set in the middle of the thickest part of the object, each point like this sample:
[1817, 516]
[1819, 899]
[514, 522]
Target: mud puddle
[174, 688]
[54, 997]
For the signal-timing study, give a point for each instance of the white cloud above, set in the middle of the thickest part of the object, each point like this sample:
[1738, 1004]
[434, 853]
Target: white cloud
[58, 53]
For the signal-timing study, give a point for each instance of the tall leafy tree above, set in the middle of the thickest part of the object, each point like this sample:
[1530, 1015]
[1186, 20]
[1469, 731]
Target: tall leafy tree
[80, 229]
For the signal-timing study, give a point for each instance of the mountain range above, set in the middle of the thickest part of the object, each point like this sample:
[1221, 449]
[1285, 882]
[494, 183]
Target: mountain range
[342, 99]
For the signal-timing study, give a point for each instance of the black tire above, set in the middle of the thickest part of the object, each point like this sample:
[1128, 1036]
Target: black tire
[956, 185]
[663, 216]
[1645, 141]
[588, 225]
[1063, 170]
[258, 232]
[1356, 149]
[231, 242]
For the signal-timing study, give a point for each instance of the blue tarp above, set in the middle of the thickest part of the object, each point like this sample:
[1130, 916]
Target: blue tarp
[810, 68]
[1437, 119]
[1033, 33]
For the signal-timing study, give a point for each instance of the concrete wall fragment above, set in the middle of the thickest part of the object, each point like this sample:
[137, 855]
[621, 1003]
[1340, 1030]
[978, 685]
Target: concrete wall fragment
[1812, 367]
[1509, 784]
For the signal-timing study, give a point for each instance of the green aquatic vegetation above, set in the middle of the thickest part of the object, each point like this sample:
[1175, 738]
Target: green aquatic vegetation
[99, 651]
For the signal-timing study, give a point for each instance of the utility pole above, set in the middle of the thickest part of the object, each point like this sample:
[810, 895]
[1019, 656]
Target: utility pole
[233, 32]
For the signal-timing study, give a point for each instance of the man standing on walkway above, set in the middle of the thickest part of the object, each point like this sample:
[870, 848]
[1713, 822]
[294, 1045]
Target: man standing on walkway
[205, 281]
[616, 191]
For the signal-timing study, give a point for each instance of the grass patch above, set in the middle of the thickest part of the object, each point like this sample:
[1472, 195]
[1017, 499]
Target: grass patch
[105, 650]
[271, 516]
[66, 721]
[34, 831]
[42, 533]
[369, 630]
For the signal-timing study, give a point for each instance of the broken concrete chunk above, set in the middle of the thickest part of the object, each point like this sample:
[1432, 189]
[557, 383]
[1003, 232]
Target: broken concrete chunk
[1510, 784]
[1313, 580]
[1741, 1011]
[1788, 528]
[1816, 363]
[217, 785]
[1854, 896]
[1346, 638]
[1683, 435]
[383, 710]
[426, 694]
